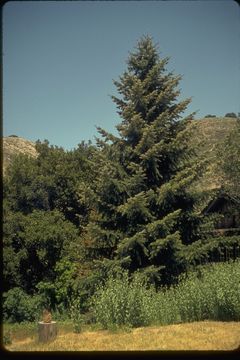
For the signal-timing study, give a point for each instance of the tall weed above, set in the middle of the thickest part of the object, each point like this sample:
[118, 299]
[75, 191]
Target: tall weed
[123, 302]
[209, 292]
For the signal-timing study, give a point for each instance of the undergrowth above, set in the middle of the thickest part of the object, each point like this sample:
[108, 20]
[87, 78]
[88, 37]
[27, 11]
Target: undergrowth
[210, 292]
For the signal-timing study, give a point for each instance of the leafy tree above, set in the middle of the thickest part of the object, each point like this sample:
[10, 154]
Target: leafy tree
[54, 180]
[19, 306]
[32, 247]
[45, 207]
[144, 214]
[58, 294]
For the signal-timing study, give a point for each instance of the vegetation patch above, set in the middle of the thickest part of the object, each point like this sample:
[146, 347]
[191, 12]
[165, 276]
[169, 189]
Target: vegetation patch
[211, 292]
[132, 206]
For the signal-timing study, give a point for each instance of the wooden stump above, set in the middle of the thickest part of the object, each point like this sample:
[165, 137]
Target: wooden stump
[47, 331]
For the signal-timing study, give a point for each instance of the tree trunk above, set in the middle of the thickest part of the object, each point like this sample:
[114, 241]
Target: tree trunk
[47, 331]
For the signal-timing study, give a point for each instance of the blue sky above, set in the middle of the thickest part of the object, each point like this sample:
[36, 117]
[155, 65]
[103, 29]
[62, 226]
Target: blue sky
[59, 60]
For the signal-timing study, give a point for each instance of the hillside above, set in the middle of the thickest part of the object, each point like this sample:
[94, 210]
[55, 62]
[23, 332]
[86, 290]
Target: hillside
[208, 133]
[214, 130]
[13, 145]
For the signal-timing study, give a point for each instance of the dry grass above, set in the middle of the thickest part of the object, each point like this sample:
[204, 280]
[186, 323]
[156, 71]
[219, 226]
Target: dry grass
[208, 135]
[205, 335]
[16, 145]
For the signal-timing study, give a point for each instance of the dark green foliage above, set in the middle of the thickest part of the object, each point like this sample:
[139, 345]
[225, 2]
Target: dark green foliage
[232, 115]
[71, 218]
[19, 307]
[145, 213]
[33, 244]
[210, 116]
[45, 209]
[58, 293]
[51, 181]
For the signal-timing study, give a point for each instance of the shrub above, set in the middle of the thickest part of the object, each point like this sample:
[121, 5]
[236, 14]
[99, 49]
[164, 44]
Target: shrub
[19, 306]
[123, 302]
[75, 315]
[232, 115]
[165, 307]
[58, 293]
[209, 292]
[212, 292]
[7, 338]
[210, 116]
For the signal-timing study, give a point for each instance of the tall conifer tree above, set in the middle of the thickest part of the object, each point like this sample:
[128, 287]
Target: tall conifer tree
[144, 217]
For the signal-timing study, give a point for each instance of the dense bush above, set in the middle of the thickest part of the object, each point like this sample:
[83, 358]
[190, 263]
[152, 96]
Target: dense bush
[76, 316]
[122, 302]
[19, 306]
[210, 292]
[57, 294]
[232, 115]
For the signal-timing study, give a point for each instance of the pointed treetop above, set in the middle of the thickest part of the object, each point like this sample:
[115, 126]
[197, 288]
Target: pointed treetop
[144, 58]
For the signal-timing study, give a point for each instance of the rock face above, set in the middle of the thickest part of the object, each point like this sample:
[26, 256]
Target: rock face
[13, 145]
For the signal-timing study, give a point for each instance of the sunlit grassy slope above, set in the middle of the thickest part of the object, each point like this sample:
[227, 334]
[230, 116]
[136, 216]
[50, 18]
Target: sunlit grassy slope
[209, 135]
[205, 335]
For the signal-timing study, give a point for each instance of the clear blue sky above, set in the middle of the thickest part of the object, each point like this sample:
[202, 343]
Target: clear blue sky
[59, 60]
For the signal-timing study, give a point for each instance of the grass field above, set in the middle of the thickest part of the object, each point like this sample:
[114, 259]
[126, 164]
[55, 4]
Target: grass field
[204, 335]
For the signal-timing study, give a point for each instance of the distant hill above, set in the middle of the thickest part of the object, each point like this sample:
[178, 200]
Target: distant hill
[208, 133]
[13, 145]
[214, 130]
